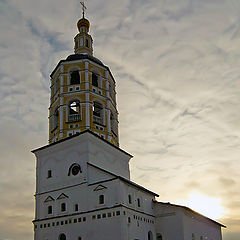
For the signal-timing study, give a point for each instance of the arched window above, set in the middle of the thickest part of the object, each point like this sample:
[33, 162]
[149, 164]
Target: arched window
[101, 199]
[62, 236]
[94, 80]
[74, 78]
[55, 118]
[138, 202]
[97, 113]
[129, 199]
[63, 207]
[74, 112]
[159, 236]
[150, 235]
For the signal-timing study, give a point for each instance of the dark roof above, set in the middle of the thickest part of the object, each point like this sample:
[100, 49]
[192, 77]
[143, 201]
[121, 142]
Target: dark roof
[190, 210]
[74, 57]
[73, 136]
[124, 180]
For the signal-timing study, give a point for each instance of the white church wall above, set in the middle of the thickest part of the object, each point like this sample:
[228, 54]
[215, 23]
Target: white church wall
[196, 227]
[169, 222]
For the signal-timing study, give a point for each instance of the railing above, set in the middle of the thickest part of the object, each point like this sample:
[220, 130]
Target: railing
[74, 118]
[97, 120]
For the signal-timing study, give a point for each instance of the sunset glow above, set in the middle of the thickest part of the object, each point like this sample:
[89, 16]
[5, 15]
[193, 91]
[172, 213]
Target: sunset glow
[208, 206]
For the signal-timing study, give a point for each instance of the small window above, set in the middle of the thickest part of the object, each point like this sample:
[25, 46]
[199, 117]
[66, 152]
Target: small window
[84, 219]
[75, 220]
[138, 202]
[66, 221]
[201, 238]
[40, 225]
[49, 174]
[76, 207]
[101, 199]
[62, 222]
[129, 199]
[98, 216]
[48, 225]
[63, 207]
[104, 215]
[129, 220]
[79, 219]
[57, 223]
[53, 224]
[70, 221]
[79, 238]
[93, 217]
[49, 209]
[118, 213]
[109, 214]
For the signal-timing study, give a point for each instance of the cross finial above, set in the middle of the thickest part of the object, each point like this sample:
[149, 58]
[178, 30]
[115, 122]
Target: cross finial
[83, 8]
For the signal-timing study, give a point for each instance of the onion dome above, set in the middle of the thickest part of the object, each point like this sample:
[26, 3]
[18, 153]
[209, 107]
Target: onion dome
[83, 22]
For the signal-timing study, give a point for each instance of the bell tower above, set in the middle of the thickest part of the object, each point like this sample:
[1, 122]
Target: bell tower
[83, 93]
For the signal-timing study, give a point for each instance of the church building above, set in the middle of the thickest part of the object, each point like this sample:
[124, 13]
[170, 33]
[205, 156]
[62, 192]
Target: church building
[83, 186]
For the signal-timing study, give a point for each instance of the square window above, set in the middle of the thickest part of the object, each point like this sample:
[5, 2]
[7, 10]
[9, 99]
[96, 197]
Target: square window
[79, 219]
[104, 215]
[71, 126]
[98, 216]
[118, 213]
[77, 88]
[75, 220]
[93, 217]
[109, 214]
[84, 219]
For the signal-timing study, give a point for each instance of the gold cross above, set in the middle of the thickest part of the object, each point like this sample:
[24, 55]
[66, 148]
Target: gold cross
[83, 8]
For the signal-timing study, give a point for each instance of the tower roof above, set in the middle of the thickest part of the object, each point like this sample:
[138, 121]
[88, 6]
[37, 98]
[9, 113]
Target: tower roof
[83, 22]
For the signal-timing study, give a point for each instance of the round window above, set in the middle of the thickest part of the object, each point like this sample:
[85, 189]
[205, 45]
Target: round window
[75, 170]
[62, 237]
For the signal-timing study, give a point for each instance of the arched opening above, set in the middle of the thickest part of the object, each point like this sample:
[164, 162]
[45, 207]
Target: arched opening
[95, 80]
[74, 78]
[74, 111]
[97, 113]
[112, 120]
[62, 236]
[150, 235]
[87, 43]
[55, 119]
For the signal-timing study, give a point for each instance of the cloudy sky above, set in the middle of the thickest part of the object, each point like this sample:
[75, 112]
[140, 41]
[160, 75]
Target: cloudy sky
[177, 67]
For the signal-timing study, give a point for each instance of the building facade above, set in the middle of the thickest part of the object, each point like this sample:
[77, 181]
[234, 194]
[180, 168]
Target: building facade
[83, 186]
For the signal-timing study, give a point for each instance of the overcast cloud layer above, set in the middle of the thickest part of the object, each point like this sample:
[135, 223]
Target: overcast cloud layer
[177, 67]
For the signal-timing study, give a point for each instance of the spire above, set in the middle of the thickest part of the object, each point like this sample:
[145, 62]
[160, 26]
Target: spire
[83, 41]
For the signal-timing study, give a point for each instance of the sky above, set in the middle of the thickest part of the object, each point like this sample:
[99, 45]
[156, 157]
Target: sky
[177, 68]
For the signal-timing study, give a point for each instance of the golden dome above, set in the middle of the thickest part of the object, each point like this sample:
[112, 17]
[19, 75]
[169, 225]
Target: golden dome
[83, 22]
